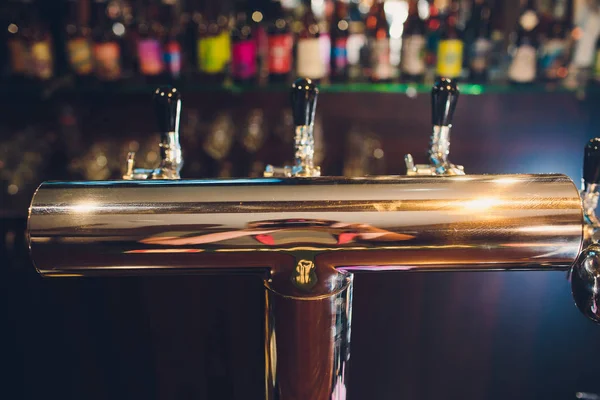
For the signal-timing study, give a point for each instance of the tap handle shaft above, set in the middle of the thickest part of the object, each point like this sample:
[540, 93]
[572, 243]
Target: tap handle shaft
[304, 101]
[444, 96]
[167, 106]
[591, 162]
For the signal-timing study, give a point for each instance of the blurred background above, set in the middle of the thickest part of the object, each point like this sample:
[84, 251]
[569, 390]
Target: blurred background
[76, 79]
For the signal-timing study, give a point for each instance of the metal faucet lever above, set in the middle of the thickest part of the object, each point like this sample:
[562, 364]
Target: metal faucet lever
[167, 107]
[304, 95]
[585, 274]
[444, 96]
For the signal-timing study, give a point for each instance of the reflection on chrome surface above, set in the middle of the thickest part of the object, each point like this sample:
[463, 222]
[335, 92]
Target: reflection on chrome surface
[469, 222]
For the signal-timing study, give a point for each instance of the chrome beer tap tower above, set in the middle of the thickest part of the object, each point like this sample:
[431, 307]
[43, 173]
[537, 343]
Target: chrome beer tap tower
[305, 235]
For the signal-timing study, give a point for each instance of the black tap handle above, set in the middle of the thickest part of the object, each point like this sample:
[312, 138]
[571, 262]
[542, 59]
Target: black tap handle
[444, 96]
[591, 162]
[167, 106]
[304, 101]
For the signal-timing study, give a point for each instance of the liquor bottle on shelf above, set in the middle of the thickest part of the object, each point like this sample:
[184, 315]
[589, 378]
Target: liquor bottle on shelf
[378, 37]
[585, 35]
[18, 47]
[244, 50]
[214, 45]
[338, 69]
[149, 43]
[433, 31]
[357, 51]
[42, 54]
[174, 24]
[78, 39]
[554, 52]
[325, 46]
[498, 57]
[340, 31]
[450, 46]
[412, 61]
[480, 43]
[280, 44]
[523, 68]
[596, 69]
[309, 61]
[107, 45]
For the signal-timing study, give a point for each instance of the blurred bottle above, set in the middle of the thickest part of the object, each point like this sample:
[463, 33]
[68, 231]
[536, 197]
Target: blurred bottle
[217, 145]
[433, 33]
[523, 67]
[309, 63]
[554, 55]
[214, 44]
[18, 47]
[378, 38]
[251, 137]
[280, 44]
[450, 46]
[412, 62]
[499, 60]
[79, 43]
[357, 51]
[596, 69]
[338, 70]
[244, 50]
[151, 34]
[479, 30]
[42, 54]
[174, 25]
[325, 46]
[107, 46]
[585, 34]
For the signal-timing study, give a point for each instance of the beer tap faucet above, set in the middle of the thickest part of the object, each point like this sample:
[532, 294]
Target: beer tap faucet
[585, 274]
[590, 181]
[444, 96]
[167, 107]
[304, 95]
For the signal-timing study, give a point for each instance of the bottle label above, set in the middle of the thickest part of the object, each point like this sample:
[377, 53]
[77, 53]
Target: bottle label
[150, 56]
[41, 55]
[243, 64]
[523, 66]
[340, 54]
[450, 58]
[325, 46]
[413, 55]
[356, 42]
[79, 51]
[214, 53]
[480, 53]
[107, 57]
[280, 53]
[173, 58]
[380, 59]
[309, 61]
[19, 56]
